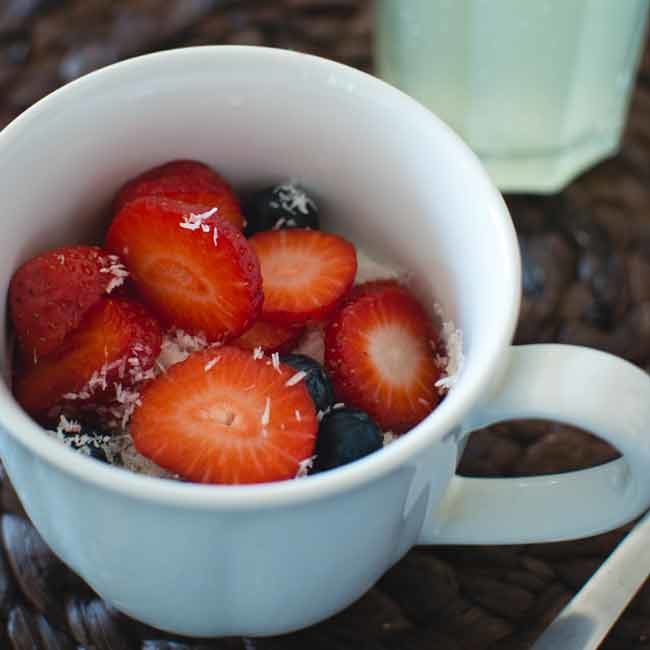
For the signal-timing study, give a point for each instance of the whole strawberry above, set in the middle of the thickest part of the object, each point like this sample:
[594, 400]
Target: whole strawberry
[50, 294]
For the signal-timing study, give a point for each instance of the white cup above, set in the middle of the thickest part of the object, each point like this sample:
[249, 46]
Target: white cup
[267, 559]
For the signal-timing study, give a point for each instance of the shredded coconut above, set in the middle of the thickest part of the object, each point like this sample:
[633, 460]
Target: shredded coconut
[282, 222]
[177, 345]
[61, 259]
[388, 437]
[293, 199]
[195, 221]
[275, 361]
[298, 416]
[452, 363]
[294, 379]
[258, 353]
[304, 466]
[69, 432]
[116, 269]
[266, 415]
[98, 380]
[338, 405]
[211, 364]
[67, 426]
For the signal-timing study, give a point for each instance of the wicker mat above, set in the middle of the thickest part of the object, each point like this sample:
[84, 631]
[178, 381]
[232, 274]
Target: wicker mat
[587, 281]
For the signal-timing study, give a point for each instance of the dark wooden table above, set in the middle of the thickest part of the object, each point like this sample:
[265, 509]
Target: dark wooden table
[586, 279]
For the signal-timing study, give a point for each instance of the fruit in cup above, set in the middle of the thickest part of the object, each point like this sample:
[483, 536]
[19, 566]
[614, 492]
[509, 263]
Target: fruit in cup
[116, 341]
[227, 412]
[305, 273]
[51, 293]
[345, 435]
[379, 354]
[224, 416]
[188, 181]
[194, 270]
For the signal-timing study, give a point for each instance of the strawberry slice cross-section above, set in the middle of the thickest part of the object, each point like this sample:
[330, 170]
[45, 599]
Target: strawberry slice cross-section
[223, 416]
[194, 270]
[305, 273]
[184, 180]
[379, 352]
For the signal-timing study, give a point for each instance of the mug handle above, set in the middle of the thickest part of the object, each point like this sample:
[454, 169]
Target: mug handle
[587, 388]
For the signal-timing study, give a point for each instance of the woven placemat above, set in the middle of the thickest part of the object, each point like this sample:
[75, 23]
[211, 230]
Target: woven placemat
[587, 281]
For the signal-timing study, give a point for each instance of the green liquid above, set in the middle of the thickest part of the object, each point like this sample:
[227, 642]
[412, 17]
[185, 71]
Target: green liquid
[539, 90]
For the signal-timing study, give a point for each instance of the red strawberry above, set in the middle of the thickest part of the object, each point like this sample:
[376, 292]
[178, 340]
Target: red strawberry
[379, 354]
[194, 270]
[51, 293]
[269, 337]
[222, 416]
[115, 337]
[188, 181]
[305, 273]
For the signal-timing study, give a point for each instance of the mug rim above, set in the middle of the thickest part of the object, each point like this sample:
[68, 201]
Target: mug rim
[447, 415]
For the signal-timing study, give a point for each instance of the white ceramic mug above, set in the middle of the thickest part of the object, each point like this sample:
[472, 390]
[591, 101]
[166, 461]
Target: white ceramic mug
[266, 559]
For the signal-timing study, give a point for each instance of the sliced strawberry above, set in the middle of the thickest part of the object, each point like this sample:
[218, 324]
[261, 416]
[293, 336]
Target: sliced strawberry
[379, 354]
[222, 416]
[195, 271]
[305, 273]
[269, 337]
[115, 342]
[373, 287]
[51, 293]
[188, 181]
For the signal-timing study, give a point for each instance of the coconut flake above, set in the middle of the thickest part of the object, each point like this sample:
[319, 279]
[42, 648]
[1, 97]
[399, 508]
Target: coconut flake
[266, 415]
[177, 345]
[258, 353]
[293, 199]
[211, 364]
[215, 236]
[195, 221]
[298, 416]
[294, 379]
[67, 426]
[304, 466]
[275, 361]
[388, 437]
[452, 363]
[115, 267]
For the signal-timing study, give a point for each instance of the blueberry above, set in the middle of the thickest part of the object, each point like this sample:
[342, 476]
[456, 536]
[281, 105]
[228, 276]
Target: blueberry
[316, 380]
[345, 435]
[90, 441]
[281, 206]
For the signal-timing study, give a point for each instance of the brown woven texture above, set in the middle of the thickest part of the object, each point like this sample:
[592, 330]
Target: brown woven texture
[586, 259]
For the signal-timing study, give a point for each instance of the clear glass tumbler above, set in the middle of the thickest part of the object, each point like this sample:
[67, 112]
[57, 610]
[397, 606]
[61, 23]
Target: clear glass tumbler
[538, 89]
